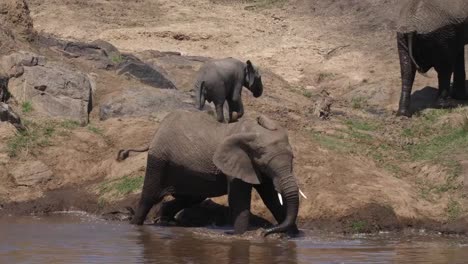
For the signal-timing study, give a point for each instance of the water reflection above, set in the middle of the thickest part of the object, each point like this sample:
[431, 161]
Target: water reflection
[185, 247]
[83, 239]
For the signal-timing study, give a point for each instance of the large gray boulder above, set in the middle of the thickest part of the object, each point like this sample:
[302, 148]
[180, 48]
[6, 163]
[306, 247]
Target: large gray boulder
[54, 92]
[143, 101]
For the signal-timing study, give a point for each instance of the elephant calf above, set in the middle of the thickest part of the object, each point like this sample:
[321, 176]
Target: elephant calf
[193, 157]
[222, 80]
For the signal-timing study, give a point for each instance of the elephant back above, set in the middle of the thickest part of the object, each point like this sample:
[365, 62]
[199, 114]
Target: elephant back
[425, 16]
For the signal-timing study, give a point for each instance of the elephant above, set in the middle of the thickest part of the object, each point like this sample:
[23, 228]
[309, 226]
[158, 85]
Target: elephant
[222, 80]
[193, 157]
[432, 33]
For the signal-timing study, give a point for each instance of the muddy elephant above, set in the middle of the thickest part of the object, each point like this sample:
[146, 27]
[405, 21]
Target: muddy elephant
[432, 33]
[193, 157]
[222, 80]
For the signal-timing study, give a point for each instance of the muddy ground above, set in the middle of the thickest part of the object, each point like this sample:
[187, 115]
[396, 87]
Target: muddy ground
[363, 169]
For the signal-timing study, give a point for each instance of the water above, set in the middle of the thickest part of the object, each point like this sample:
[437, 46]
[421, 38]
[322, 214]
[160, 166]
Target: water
[79, 238]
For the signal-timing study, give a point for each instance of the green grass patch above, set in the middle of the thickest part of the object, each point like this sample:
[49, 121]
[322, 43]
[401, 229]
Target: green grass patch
[96, 130]
[307, 94]
[117, 58]
[361, 125]
[358, 226]
[454, 210]
[358, 102]
[123, 186]
[27, 107]
[36, 135]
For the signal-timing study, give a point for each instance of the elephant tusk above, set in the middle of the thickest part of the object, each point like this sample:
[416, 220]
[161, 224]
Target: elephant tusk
[303, 195]
[280, 198]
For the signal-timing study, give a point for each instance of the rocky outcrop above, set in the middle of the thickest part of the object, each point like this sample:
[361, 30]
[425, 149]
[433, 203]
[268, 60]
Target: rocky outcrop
[148, 74]
[31, 173]
[143, 101]
[53, 90]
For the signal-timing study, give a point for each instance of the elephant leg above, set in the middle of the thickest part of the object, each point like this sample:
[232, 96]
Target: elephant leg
[233, 111]
[219, 112]
[152, 192]
[408, 73]
[171, 208]
[239, 196]
[459, 77]
[270, 198]
[444, 77]
[241, 108]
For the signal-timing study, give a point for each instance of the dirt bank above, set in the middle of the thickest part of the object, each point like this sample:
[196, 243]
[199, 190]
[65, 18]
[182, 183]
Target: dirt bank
[362, 169]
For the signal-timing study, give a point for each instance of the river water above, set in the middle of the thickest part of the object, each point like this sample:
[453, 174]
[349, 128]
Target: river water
[80, 238]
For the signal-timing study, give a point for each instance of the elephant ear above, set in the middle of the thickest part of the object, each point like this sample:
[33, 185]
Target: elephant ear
[233, 159]
[267, 123]
[249, 73]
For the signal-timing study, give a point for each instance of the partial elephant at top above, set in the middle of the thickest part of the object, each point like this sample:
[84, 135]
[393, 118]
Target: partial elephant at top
[222, 80]
[433, 33]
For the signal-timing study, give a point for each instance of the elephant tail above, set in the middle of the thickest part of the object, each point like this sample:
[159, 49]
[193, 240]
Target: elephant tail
[123, 153]
[200, 90]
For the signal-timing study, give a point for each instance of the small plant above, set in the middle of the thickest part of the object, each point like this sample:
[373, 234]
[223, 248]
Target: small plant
[358, 226]
[307, 94]
[95, 130]
[324, 76]
[117, 58]
[358, 102]
[27, 107]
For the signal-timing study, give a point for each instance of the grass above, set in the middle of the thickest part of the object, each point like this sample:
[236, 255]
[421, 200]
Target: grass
[27, 107]
[358, 226]
[454, 210]
[322, 76]
[358, 102]
[117, 58]
[361, 125]
[123, 186]
[95, 130]
[307, 94]
[36, 135]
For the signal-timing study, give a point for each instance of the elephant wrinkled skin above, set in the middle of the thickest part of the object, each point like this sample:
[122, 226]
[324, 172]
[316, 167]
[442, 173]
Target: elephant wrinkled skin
[193, 157]
[433, 33]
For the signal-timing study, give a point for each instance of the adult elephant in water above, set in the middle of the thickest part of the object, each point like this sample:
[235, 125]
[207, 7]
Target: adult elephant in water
[433, 33]
[193, 157]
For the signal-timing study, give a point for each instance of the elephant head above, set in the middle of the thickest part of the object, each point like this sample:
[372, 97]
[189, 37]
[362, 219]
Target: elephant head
[261, 149]
[253, 79]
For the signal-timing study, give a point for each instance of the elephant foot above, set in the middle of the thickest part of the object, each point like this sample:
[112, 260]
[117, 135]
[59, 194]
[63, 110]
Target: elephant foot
[234, 118]
[442, 103]
[403, 112]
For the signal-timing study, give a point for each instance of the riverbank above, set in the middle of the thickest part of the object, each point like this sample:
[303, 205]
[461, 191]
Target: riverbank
[362, 168]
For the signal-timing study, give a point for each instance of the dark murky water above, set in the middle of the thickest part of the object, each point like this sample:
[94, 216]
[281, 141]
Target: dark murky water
[75, 238]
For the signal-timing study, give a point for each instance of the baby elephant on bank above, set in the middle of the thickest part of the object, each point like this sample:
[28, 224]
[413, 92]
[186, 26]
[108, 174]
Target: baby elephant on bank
[222, 80]
[193, 157]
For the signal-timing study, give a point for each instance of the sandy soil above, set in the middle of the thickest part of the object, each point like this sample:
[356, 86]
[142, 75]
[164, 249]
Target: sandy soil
[344, 47]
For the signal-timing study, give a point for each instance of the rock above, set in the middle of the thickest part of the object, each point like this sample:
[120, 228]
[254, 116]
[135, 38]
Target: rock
[31, 173]
[104, 54]
[148, 74]
[143, 101]
[182, 70]
[54, 92]
[7, 115]
[21, 58]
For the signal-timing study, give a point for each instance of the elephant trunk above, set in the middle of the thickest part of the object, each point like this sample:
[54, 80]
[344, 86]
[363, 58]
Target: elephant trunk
[290, 193]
